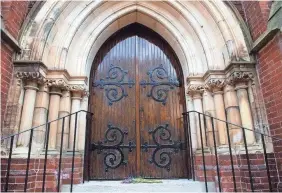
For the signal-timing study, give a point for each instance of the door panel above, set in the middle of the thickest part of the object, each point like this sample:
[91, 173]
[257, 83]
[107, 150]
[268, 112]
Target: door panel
[161, 107]
[137, 100]
[114, 113]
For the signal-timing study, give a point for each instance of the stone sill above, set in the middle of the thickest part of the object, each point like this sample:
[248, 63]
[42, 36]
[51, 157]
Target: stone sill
[7, 37]
[264, 39]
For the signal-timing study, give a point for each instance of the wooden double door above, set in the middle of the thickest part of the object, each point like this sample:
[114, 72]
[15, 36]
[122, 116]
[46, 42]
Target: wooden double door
[137, 98]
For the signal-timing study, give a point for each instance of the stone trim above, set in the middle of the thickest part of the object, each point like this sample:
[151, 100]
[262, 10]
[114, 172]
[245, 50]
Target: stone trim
[7, 37]
[194, 89]
[37, 71]
[264, 39]
[238, 76]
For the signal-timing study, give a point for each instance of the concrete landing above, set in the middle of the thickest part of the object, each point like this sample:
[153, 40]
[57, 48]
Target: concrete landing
[178, 185]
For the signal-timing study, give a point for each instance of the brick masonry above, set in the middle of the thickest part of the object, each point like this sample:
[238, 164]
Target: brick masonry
[35, 177]
[14, 14]
[258, 171]
[269, 68]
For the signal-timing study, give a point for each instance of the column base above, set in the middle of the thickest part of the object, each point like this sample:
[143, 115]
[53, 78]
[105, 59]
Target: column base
[207, 150]
[223, 149]
[236, 149]
[20, 152]
[50, 152]
[70, 152]
[254, 148]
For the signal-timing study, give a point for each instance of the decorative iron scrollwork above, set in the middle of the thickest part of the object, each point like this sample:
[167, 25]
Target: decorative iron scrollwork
[113, 146]
[161, 157]
[114, 82]
[161, 83]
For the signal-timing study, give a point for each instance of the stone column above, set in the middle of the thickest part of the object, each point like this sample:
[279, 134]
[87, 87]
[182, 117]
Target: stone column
[64, 110]
[40, 117]
[198, 105]
[220, 114]
[233, 114]
[82, 123]
[55, 95]
[192, 121]
[27, 112]
[196, 92]
[245, 110]
[75, 106]
[209, 109]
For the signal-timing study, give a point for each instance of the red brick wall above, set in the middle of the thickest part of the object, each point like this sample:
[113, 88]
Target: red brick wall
[13, 13]
[258, 171]
[6, 75]
[256, 16]
[270, 73]
[239, 7]
[35, 176]
[269, 68]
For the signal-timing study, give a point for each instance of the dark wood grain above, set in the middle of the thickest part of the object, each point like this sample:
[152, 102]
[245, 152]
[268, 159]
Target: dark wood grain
[138, 50]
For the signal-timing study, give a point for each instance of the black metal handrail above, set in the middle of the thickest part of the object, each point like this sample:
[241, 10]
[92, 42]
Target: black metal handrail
[47, 127]
[202, 122]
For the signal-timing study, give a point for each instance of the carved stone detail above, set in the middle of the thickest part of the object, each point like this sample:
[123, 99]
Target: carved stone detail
[215, 84]
[78, 87]
[36, 76]
[195, 89]
[60, 83]
[240, 77]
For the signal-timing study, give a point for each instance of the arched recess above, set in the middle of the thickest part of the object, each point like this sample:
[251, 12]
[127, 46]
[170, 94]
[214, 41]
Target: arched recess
[66, 35]
[137, 98]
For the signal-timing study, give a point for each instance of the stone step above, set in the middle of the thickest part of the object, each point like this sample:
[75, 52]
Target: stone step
[178, 185]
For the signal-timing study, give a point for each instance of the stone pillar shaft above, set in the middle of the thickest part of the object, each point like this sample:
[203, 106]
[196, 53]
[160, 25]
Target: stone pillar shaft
[75, 106]
[220, 114]
[82, 124]
[209, 109]
[233, 114]
[40, 116]
[55, 95]
[192, 122]
[27, 112]
[245, 111]
[64, 110]
[198, 105]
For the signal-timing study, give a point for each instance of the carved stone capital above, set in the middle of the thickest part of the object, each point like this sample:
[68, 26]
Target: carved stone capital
[58, 83]
[239, 77]
[33, 76]
[215, 84]
[77, 88]
[196, 89]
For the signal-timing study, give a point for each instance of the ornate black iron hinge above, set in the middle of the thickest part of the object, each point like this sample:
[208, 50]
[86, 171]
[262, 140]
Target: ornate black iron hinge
[114, 142]
[114, 84]
[162, 138]
[161, 83]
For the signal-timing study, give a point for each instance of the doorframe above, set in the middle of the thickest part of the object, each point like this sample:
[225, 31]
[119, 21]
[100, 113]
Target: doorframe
[182, 90]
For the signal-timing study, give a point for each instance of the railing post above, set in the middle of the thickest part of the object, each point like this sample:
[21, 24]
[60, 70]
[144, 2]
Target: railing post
[248, 159]
[61, 151]
[86, 172]
[191, 147]
[45, 160]
[28, 160]
[231, 158]
[203, 153]
[266, 163]
[73, 153]
[9, 164]
[216, 159]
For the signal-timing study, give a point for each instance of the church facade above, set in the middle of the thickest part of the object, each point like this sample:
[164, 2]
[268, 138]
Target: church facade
[122, 73]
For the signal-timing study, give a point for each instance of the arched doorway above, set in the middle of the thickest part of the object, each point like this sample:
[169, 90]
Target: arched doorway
[137, 97]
